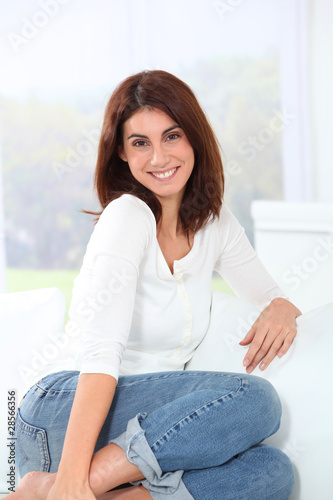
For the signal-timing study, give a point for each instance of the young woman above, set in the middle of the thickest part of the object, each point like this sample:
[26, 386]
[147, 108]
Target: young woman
[142, 303]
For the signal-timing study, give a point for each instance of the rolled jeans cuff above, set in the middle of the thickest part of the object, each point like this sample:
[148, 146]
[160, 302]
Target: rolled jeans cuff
[160, 485]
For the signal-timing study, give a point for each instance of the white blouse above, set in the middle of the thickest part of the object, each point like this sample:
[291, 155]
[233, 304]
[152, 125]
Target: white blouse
[133, 314]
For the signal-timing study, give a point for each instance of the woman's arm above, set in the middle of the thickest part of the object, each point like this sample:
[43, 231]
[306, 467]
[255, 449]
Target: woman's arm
[91, 404]
[274, 330]
[101, 310]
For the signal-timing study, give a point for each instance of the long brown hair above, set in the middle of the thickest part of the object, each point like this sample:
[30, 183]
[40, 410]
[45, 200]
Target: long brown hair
[161, 90]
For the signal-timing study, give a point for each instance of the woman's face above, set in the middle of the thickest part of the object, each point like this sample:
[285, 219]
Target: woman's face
[158, 153]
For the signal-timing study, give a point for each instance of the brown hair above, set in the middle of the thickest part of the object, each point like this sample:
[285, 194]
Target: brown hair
[161, 90]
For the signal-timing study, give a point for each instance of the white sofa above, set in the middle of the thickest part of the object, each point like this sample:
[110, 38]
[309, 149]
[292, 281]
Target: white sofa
[31, 338]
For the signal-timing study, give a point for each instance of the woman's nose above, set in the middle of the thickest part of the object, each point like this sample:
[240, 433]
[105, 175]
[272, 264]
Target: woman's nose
[159, 157]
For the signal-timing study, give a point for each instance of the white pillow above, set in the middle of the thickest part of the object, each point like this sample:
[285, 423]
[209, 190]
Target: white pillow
[302, 379]
[30, 323]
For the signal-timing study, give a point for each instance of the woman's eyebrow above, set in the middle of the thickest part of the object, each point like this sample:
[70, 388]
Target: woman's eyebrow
[146, 137]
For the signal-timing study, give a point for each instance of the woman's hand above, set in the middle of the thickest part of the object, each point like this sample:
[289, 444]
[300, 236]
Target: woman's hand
[271, 335]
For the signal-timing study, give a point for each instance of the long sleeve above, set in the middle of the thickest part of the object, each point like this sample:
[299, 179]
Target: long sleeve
[240, 266]
[104, 291]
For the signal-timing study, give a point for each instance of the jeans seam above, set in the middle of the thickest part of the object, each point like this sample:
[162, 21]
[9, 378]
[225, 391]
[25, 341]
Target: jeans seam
[57, 392]
[51, 392]
[138, 435]
[177, 375]
[244, 384]
[47, 389]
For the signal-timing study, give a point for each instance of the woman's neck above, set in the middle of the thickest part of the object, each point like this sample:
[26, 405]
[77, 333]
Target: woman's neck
[170, 223]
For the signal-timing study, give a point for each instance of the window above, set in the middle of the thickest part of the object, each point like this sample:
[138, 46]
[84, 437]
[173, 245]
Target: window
[62, 60]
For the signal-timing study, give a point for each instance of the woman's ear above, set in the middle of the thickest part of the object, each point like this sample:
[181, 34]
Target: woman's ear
[121, 153]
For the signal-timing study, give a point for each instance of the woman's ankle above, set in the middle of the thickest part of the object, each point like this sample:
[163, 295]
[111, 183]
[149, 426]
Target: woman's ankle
[110, 468]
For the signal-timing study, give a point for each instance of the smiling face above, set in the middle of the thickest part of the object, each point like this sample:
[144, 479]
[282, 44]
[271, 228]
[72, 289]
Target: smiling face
[158, 153]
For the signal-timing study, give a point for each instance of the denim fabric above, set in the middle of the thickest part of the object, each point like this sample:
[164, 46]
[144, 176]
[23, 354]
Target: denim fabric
[194, 435]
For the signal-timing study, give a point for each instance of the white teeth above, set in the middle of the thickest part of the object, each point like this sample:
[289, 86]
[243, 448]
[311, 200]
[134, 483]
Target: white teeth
[164, 174]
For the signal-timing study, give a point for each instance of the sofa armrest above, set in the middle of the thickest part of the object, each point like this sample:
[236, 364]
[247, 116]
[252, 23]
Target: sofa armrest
[302, 379]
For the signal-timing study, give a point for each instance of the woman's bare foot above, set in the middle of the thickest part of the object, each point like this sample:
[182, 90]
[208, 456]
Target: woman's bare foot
[36, 485]
[33, 486]
[109, 469]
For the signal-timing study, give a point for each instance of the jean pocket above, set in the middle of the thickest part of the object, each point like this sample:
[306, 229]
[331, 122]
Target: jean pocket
[32, 447]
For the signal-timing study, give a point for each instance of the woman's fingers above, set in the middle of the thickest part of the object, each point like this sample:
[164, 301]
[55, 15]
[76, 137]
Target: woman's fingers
[271, 334]
[265, 355]
[287, 343]
[250, 335]
[265, 346]
[260, 345]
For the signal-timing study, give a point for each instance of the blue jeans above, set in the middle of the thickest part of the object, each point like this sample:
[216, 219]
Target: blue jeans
[193, 435]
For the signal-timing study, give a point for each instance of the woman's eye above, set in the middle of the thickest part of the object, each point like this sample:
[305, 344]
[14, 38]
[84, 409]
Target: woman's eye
[139, 143]
[172, 137]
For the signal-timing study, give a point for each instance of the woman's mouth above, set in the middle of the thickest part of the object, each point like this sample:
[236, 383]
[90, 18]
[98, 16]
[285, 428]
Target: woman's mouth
[163, 176]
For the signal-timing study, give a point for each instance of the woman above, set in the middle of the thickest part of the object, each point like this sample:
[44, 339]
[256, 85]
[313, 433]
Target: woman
[142, 304]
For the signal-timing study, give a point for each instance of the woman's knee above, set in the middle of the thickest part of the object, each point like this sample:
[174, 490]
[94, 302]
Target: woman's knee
[286, 475]
[266, 404]
[275, 475]
[259, 473]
